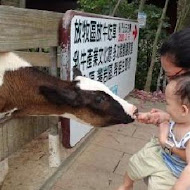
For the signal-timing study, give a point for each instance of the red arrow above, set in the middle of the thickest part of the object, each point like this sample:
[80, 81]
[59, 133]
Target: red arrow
[135, 32]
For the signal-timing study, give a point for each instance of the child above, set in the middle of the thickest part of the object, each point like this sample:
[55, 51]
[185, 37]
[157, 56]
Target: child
[156, 162]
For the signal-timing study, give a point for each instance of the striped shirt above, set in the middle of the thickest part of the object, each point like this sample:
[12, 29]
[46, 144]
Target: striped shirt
[174, 162]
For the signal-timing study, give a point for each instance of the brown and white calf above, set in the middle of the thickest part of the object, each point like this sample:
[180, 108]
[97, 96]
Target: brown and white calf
[25, 91]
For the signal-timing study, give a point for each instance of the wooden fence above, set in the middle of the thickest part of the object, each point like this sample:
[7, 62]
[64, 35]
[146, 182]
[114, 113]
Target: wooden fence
[23, 29]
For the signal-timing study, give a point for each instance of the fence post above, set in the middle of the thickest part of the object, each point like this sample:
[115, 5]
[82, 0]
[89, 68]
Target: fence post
[54, 151]
[4, 167]
[22, 3]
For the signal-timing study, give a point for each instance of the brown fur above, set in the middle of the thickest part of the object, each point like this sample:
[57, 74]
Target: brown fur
[35, 93]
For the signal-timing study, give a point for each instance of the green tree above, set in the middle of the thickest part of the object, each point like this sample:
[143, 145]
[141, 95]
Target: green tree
[105, 7]
[183, 14]
[154, 49]
[146, 36]
[141, 5]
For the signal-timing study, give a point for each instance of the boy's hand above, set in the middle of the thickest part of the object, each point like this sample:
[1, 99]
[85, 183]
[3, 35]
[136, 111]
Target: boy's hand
[155, 116]
[148, 118]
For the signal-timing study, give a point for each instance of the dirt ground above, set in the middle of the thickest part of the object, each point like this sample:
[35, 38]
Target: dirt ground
[29, 168]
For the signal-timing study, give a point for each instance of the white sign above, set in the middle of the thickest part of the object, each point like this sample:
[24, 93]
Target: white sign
[105, 50]
[142, 19]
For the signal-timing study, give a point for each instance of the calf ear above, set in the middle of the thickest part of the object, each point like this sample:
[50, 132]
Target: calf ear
[57, 96]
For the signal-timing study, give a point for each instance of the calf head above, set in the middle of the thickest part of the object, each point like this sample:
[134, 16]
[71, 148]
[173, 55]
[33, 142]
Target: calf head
[26, 91]
[92, 102]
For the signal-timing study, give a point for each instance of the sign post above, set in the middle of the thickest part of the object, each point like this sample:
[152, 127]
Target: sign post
[104, 49]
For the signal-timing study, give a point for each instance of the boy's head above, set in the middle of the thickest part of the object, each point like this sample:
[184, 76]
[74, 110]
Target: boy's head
[178, 98]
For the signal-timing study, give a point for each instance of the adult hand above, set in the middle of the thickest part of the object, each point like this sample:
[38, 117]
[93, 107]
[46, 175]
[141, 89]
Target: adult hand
[155, 116]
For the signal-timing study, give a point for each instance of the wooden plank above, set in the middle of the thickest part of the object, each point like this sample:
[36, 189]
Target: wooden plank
[14, 3]
[53, 64]
[22, 3]
[5, 141]
[38, 58]
[35, 58]
[1, 144]
[26, 28]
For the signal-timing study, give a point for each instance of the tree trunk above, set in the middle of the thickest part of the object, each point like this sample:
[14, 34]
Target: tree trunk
[183, 20]
[154, 51]
[164, 83]
[116, 7]
[159, 79]
[141, 5]
[183, 11]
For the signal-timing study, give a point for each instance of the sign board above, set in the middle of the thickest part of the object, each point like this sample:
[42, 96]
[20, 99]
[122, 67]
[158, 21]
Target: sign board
[142, 19]
[104, 49]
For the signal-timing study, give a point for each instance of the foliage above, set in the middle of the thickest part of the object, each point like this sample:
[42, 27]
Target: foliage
[146, 36]
[97, 6]
[183, 14]
[156, 96]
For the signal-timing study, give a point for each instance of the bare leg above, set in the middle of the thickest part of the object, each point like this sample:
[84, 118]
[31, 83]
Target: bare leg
[127, 184]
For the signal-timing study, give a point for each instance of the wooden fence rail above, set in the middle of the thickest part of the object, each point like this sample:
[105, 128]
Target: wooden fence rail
[26, 28]
[23, 29]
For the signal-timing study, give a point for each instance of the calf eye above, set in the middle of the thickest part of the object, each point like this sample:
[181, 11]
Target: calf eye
[99, 99]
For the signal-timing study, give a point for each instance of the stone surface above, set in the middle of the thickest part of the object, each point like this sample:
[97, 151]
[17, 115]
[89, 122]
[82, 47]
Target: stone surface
[100, 157]
[100, 165]
[119, 142]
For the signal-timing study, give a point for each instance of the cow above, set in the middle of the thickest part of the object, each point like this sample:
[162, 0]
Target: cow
[26, 91]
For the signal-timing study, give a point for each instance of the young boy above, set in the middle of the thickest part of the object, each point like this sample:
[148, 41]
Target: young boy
[156, 162]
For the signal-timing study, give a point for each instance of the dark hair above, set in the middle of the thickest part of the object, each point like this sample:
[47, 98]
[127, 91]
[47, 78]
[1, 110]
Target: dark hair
[183, 87]
[177, 47]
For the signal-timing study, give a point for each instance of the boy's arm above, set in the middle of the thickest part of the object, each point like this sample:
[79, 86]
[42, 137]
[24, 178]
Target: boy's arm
[163, 133]
[155, 116]
[183, 183]
[180, 152]
[163, 137]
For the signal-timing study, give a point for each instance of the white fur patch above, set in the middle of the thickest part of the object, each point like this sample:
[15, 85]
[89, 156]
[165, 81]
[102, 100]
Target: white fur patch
[88, 84]
[10, 62]
[6, 115]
